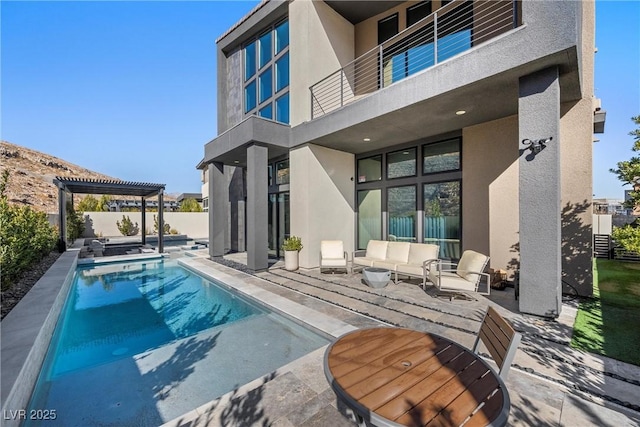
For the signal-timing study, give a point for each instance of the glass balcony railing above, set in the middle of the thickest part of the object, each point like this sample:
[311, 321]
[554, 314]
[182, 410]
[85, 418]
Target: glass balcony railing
[449, 31]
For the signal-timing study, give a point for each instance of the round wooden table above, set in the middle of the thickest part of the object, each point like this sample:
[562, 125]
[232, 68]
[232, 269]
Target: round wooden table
[403, 377]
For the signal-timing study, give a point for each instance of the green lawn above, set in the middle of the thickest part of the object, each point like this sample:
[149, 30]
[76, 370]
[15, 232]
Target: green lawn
[609, 323]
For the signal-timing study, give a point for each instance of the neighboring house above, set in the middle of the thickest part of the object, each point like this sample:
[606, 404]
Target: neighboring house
[123, 205]
[610, 207]
[464, 123]
[196, 196]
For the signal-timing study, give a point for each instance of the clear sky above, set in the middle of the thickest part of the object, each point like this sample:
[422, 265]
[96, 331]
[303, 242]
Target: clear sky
[128, 89]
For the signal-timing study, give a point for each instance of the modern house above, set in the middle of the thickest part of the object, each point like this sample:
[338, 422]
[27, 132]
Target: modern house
[464, 123]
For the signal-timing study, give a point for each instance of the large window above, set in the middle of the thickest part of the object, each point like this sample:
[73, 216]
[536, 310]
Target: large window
[414, 203]
[442, 217]
[401, 163]
[401, 205]
[417, 12]
[441, 156]
[266, 74]
[369, 216]
[370, 169]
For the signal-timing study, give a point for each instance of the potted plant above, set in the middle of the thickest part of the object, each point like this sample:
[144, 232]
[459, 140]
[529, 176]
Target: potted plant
[291, 247]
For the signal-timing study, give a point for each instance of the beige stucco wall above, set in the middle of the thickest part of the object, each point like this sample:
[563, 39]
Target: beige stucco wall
[321, 42]
[322, 199]
[576, 139]
[490, 190]
[193, 224]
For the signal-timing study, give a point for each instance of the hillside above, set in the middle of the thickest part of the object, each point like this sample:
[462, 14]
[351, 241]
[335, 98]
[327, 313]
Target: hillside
[32, 173]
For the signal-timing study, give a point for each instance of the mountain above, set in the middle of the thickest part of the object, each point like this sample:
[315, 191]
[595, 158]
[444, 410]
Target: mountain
[32, 173]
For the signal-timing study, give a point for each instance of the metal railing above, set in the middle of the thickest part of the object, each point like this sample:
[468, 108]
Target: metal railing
[452, 29]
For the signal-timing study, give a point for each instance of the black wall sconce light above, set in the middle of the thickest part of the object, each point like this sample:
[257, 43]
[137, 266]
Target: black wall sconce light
[536, 145]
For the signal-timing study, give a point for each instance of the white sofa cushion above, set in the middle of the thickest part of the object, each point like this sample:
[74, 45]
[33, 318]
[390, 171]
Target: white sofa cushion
[397, 251]
[420, 252]
[377, 249]
[334, 262]
[388, 264]
[471, 261]
[331, 249]
[453, 281]
[364, 261]
[411, 269]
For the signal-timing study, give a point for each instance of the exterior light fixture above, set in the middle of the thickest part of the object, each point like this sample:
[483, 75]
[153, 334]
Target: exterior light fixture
[460, 112]
[536, 145]
[367, 139]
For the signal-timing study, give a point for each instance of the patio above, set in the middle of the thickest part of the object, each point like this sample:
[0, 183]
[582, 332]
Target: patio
[549, 384]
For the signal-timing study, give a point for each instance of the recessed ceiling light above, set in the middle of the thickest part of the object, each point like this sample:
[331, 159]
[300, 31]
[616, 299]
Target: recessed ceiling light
[460, 112]
[236, 161]
[405, 152]
[367, 139]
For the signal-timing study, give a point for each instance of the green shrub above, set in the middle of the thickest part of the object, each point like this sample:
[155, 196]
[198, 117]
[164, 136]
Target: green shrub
[127, 227]
[628, 237]
[166, 228]
[190, 205]
[25, 237]
[75, 222]
[292, 243]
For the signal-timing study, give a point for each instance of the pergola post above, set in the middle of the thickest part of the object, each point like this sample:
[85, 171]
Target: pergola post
[62, 217]
[143, 221]
[160, 222]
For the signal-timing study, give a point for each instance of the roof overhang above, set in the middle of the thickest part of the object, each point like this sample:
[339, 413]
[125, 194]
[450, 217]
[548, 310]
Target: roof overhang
[230, 147]
[110, 187]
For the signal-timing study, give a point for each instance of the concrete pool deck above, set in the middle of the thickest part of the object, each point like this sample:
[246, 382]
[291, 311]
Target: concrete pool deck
[550, 383]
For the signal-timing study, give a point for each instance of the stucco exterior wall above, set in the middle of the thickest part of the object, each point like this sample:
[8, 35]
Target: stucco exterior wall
[490, 191]
[193, 224]
[576, 137]
[322, 199]
[321, 42]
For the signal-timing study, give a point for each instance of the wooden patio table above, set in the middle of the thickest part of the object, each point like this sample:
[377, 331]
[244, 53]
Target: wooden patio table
[403, 377]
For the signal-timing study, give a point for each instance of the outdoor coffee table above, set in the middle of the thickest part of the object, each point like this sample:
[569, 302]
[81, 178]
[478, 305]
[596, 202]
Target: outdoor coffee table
[404, 377]
[376, 277]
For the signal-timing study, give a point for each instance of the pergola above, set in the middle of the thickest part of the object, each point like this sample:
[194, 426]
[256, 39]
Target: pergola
[110, 187]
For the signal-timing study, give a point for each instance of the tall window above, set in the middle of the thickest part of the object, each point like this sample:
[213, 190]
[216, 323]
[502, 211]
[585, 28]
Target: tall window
[402, 205]
[442, 217]
[415, 192]
[369, 216]
[266, 74]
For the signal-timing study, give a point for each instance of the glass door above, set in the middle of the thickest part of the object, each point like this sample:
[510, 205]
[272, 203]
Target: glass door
[278, 222]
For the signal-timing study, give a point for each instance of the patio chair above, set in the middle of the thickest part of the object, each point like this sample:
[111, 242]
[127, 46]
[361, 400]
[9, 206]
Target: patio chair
[467, 275]
[333, 255]
[500, 339]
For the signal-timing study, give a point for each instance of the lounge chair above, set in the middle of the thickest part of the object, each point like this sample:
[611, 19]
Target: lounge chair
[465, 277]
[500, 339]
[333, 255]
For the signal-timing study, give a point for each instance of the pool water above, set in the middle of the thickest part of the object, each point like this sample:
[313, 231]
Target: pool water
[142, 343]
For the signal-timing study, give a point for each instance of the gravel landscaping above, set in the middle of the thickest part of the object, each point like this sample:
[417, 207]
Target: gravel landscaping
[14, 294]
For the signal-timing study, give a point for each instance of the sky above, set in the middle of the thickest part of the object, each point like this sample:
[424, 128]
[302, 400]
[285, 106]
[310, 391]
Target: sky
[128, 89]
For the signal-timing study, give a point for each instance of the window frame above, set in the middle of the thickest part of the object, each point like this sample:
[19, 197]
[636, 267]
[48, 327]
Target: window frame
[260, 69]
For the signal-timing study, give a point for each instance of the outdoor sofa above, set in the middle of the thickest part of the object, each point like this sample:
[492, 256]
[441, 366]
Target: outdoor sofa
[409, 259]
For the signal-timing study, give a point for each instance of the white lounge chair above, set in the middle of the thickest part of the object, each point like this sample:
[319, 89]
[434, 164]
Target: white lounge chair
[333, 255]
[467, 276]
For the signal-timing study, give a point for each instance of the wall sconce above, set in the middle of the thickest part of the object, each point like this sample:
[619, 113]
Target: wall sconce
[536, 145]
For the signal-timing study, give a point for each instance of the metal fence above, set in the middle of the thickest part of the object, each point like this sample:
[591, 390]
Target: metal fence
[452, 29]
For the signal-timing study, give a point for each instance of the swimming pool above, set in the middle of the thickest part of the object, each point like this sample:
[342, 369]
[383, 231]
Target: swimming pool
[142, 343]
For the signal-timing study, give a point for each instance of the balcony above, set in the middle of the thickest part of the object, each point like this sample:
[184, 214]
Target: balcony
[449, 31]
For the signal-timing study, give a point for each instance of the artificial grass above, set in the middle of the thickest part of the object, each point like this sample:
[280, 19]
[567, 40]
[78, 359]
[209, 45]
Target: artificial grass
[608, 323]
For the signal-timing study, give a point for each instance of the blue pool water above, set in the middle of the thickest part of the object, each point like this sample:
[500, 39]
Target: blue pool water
[142, 343]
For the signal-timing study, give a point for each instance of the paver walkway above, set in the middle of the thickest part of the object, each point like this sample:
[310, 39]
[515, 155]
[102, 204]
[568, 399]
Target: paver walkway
[549, 384]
